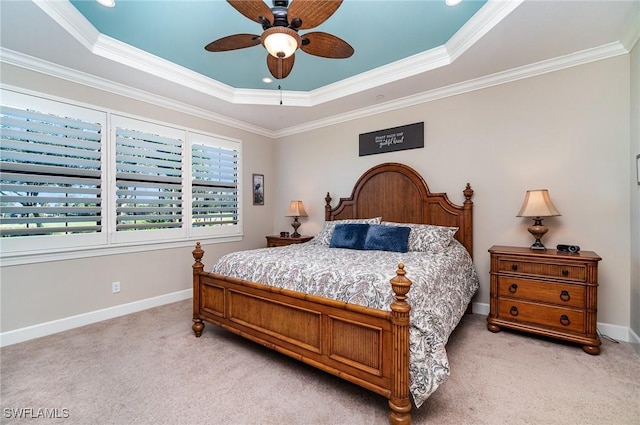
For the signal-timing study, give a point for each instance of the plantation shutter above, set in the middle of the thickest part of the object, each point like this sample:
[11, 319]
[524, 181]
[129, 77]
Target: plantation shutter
[50, 174]
[149, 193]
[214, 185]
[76, 178]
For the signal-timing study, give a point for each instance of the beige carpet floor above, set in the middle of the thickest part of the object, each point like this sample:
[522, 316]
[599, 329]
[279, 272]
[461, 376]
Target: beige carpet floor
[148, 368]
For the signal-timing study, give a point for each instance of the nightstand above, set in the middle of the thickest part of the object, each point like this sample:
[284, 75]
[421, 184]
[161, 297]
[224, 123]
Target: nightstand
[549, 293]
[277, 240]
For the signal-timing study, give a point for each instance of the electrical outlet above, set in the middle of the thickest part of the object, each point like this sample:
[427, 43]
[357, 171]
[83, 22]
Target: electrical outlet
[115, 287]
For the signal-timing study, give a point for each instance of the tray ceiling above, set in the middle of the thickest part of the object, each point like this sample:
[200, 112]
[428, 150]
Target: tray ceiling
[407, 52]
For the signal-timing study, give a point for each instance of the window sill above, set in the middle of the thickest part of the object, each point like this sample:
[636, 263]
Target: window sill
[32, 257]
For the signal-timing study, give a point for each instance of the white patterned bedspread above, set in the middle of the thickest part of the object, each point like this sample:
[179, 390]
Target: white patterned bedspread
[442, 286]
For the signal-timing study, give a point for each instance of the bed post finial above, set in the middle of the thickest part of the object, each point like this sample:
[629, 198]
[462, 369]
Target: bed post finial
[327, 207]
[468, 193]
[399, 401]
[197, 255]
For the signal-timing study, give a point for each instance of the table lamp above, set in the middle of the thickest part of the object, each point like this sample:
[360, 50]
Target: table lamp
[296, 209]
[537, 204]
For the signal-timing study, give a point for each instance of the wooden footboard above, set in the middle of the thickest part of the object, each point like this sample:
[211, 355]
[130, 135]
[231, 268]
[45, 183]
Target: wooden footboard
[362, 345]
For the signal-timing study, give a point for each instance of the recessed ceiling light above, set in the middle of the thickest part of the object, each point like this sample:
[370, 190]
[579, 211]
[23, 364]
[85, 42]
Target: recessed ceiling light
[107, 3]
[452, 2]
[267, 80]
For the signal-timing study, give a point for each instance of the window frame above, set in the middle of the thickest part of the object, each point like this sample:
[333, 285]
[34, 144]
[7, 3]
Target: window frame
[30, 249]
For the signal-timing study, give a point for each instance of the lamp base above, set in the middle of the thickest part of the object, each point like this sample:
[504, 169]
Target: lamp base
[538, 246]
[537, 229]
[295, 226]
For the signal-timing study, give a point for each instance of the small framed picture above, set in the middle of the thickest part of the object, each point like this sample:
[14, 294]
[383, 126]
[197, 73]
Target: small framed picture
[638, 168]
[258, 189]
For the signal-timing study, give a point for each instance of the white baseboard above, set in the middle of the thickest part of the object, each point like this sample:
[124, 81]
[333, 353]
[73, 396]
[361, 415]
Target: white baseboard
[633, 337]
[621, 333]
[480, 308]
[60, 325]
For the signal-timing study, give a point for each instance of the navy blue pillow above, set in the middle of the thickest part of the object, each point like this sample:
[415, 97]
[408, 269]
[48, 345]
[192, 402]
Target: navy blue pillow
[387, 238]
[350, 236]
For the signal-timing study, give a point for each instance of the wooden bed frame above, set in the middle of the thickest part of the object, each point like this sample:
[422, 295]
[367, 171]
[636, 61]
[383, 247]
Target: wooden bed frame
[365, 346]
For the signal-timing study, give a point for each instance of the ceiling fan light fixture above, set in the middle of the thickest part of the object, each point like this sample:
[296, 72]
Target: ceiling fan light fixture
[281, 42]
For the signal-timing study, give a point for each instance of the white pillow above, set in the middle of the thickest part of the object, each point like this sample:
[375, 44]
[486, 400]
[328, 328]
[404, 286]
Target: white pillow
[324, 237]
[427, 237]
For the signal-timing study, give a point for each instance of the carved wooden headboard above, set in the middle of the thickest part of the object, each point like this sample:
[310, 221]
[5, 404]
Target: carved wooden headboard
[398, 193]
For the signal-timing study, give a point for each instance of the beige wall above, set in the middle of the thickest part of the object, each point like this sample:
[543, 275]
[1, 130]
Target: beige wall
[566, 131]
[43, 292]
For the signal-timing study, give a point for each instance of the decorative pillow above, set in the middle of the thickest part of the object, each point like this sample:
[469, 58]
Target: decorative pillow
[427, 237]
[387, 238]
[350, 236]
[324, 237]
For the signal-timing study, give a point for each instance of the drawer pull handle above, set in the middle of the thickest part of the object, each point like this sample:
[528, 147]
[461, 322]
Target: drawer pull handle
[513, 288]
[514, 267]
[564, 296]
[565, 273]
[564, 320]
[513, 311]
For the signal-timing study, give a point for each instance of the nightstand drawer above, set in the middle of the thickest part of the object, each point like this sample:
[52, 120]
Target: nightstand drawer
[555, 317]
[552, 270]
[548, 292]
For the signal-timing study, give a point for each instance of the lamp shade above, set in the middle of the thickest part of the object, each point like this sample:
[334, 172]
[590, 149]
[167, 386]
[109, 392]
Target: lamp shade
[296, 209]
[281, 42]
[537, 203]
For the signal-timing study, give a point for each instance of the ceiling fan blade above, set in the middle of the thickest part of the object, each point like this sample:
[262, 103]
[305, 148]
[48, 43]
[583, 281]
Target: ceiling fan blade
[280, 68]
[325, 45]
[233, 42]
[252, 9]
[312, 12]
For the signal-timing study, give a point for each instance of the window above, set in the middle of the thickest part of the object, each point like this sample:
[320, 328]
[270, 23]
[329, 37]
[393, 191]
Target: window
[214, 185]
[51, 174]
[73, 177]
[149, 173]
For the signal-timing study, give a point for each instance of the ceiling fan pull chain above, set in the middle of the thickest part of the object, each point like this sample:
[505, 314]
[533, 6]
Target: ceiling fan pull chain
[280, 88]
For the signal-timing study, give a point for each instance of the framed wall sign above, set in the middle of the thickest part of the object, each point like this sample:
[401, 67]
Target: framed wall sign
[258, 189]
[409, 136]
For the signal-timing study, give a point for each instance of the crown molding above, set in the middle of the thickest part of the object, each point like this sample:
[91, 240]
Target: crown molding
[580, 58]
[69, 18]
[586, 56]
[490, 15]
[58, 71]
[473, 30]
[133, 57]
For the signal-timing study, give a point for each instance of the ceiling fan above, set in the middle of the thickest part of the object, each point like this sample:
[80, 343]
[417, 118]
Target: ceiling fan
[280, 37]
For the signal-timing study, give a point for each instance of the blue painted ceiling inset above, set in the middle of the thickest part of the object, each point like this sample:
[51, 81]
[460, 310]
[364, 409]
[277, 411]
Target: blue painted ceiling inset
[380, 31]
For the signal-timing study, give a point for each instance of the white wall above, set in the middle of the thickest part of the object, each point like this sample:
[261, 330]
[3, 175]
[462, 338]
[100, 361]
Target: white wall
[38, 293]
[566, 131]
